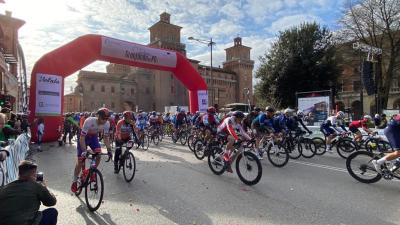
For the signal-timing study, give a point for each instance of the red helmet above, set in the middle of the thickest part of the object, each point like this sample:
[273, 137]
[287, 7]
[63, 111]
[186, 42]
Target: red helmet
[211, 109]
[104, 113]
[127, 114]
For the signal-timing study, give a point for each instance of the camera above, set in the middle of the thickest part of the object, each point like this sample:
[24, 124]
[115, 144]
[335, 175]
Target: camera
[39, 177]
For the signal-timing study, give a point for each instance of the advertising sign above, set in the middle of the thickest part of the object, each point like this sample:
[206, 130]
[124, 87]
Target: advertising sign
[137, 53]
[318, 106]
[203, 100]
[48, 94]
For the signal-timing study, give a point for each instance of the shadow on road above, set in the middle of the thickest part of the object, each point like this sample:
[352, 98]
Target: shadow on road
[94, 218]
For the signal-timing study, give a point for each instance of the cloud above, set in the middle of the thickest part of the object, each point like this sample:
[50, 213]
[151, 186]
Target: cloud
[225, 28]
[290, 21]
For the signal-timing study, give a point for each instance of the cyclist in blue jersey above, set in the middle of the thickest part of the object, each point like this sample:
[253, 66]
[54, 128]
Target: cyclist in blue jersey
[262, 125]
[330, 128]
[141, 124]
[89, 137]
[196, 119]
[392, 132]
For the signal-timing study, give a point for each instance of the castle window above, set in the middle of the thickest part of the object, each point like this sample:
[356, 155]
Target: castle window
[103, 89]
[132, 91]
[112, 89]
[92, 87]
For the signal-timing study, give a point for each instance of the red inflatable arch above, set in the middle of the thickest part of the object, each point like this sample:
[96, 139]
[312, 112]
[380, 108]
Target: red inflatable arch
[47, 80]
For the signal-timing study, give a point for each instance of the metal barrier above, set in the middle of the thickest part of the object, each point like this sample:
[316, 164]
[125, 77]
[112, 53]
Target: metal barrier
[18, 151]
[317, 133]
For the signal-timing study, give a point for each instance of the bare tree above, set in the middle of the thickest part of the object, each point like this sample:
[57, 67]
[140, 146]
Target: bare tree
[376, 23]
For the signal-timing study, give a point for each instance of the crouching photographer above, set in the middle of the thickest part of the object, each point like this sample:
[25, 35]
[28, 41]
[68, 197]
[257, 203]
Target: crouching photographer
[20, 200]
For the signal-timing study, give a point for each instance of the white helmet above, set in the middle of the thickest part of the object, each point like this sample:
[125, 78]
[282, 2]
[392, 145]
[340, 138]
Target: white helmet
[368, 117]
[300, 113]
[288, 111]
[377, 116]
[340, 114]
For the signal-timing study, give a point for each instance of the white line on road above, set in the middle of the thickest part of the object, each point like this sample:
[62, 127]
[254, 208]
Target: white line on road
[320, 166]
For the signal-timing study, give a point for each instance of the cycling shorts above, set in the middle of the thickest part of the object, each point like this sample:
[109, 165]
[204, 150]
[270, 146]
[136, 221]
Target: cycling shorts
[392, 133]
[92, 141]
[178, 124]
[327, 130]
[354, 130]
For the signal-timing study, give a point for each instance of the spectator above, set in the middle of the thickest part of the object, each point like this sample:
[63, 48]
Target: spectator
[31, 193]
[40, 133]
[6, 132]
[24, 123]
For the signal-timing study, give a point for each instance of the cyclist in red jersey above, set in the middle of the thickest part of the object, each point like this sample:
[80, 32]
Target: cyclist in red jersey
[123, 133]
[353, 127]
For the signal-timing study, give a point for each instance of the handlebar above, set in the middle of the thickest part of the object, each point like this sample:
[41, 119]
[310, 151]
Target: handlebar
[90, 155]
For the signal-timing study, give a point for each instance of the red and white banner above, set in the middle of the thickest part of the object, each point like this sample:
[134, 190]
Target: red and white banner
[137, 53]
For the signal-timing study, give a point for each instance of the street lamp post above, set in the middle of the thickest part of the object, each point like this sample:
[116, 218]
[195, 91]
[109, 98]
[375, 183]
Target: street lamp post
[210, 44]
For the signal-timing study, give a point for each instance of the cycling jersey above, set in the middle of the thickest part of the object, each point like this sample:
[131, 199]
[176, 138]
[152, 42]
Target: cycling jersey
[141, 122]
[179, 119]
[293, 124]
[392, 132]
[279, 123]
[210, 120]
[123, 131]
[90, 131]
[153, 120]
[167, 119]
[358, 124]
[329, 126]
[262, 123]
[229, 126]
[248, 120]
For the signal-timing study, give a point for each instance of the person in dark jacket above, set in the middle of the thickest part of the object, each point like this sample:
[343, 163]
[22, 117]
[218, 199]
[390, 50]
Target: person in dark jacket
[32, 193]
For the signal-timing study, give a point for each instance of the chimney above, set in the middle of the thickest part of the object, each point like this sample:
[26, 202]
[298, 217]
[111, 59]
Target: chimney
[165, 17]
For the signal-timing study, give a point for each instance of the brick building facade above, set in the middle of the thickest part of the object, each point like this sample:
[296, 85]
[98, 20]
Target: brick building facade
[153, 89]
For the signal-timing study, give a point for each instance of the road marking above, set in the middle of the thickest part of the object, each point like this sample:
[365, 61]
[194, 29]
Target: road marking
[320, 166]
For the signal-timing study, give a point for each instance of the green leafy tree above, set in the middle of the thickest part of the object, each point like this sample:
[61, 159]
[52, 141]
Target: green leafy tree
[302, 59]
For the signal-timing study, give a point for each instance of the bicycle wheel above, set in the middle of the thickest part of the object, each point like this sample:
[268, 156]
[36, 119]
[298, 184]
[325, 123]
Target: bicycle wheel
[216, 161]
[145, 142]
[183, 138]
[199, 149]
[129, 167]
[94, 189]
[320, 145]
[2, 176]
[248, 168]
[190, 142]
[294, 150]
[360, 167]
[345, 147]
[277, 156]
[308, 148]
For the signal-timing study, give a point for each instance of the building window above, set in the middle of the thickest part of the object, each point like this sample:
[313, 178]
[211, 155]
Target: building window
[356, 85]
[112, 89]
[103, 89]
[122, 90]
[132, 91]
[147, 90]
[92, 87]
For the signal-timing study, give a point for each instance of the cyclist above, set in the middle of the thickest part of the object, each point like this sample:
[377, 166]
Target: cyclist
[353, 127]
[210, 122]
[392, 132]
[228, 127]
[295, 120]
[141, 124]
[196, 119]
[330, 128]
[167, 118]
[123, 133]
[180, 120]
[248, 120]
[261, 125]
[89, 137]
[153, 120]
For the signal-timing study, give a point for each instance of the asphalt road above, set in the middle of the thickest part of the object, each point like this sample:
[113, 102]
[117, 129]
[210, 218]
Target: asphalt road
[172, 187]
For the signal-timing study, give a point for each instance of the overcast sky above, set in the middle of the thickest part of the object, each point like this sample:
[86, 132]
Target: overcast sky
[52, 23]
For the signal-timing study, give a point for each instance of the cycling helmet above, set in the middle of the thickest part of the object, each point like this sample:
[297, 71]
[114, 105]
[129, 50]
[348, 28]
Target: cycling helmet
[288, 111]
[340, 114]
[183, 110]
[153, 113]
[257, 109]
[300, 113]
[367, 117]
[197, 112]
[238, 115]
[104, 113]
[127, 114]
[211, 109]
[269, 109]
[377, 116]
